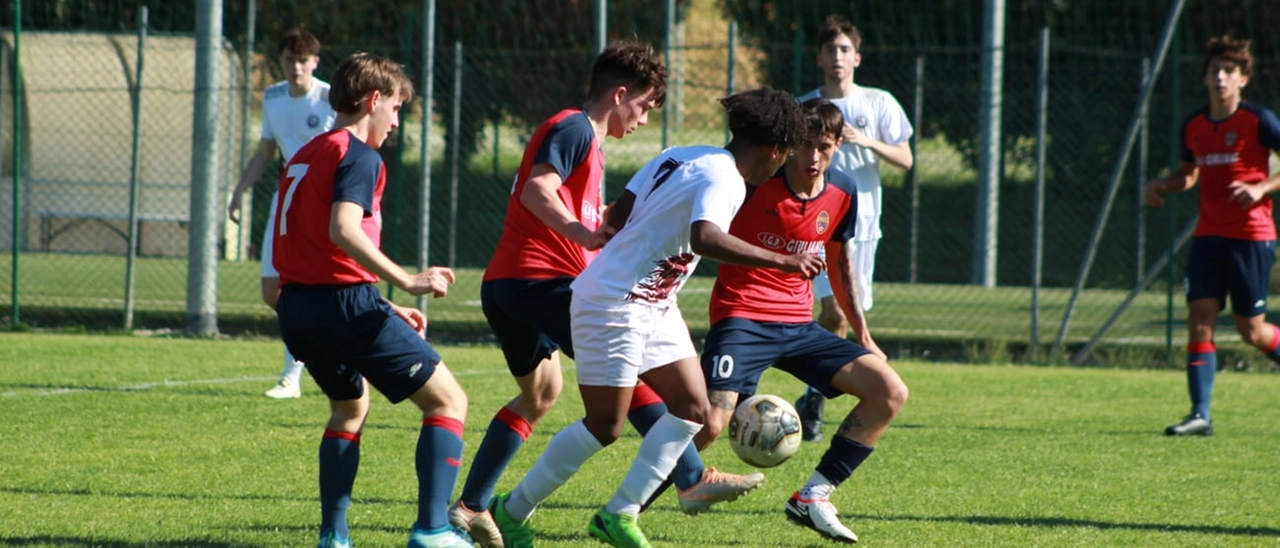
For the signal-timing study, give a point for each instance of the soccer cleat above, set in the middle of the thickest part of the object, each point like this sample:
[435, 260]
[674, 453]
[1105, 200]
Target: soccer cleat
[1192, 425]
[515, 533]
[449, 538]
[809, 407]
[331, 540]
[620, 530]
[819, 515]
[716, 486]
[479, 525]
[285, 389]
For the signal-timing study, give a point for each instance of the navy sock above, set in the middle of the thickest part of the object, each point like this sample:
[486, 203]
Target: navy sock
[506, 435]
[646, 409]
[339, 462]
[842, 458]
[438, 458]
[1202, 365]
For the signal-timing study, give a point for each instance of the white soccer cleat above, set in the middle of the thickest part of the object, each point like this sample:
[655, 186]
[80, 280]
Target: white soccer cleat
[716, 486]
[285, 389]
[819, 515]
[479, 525]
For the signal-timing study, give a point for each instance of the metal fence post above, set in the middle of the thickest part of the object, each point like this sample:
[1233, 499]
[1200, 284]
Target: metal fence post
[202, 265]
[135, 187]
[455, 144]
[15, 310]
[1037, 210]
[913, 174]
[424, 147]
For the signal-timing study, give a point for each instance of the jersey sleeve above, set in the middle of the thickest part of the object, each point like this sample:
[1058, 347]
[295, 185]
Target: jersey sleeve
[357, 177]
[565, 146]
[1268, 130]
[1185, 154]
[895, 129]
[719, 195]
[847, 225]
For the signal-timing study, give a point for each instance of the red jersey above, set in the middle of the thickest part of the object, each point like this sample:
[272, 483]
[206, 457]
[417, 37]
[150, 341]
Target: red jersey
[528, 248]
[1235, 149]
[774, 218]
[334, 167]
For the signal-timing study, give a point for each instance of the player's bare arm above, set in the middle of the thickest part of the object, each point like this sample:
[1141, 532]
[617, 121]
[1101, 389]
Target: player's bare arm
[346, 233]
[844, 287]
[709, 240]
[899, 155]
[1181, 181]
[617, 213]
[541, 196]
[252, 172]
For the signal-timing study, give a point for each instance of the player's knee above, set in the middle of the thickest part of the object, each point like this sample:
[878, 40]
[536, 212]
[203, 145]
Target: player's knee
[605, 431]
[896, 396]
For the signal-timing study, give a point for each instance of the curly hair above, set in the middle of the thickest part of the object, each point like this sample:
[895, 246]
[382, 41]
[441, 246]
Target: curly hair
[629, 64]
[822, 118]
[1229, 49]
[765, 116]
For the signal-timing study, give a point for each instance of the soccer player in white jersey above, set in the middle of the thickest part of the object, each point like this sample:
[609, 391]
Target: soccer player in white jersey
[626, 325]
[293, 111]
[876, 129]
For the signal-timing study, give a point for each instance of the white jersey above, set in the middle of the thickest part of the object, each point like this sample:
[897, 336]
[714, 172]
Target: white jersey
[877, 114]
[292, 121]
[650, 259]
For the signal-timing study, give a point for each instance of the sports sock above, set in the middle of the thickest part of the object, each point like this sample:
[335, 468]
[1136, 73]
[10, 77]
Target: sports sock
[506, 435]
[566, 452]
[1274, 351]
[646, 408]
[841, 459]
[339, 461]
[661, 447]
[1202, 365]
[437, 460]
[292, 368]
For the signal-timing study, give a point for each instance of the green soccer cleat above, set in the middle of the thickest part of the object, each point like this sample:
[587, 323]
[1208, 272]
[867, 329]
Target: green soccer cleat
[620, 530]
[515, 533]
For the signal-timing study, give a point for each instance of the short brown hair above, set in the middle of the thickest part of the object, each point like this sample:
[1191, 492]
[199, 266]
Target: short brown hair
[836, 25]
[631, 64]
[822, 118]
[299, 42]
[1229, 49]
[362, 74]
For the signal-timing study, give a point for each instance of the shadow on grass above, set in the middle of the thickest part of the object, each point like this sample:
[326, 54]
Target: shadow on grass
[188, 496]
[1054, 522]
[48, 540]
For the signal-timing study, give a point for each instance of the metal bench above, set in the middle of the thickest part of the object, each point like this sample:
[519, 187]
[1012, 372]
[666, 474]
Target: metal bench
[51, 228]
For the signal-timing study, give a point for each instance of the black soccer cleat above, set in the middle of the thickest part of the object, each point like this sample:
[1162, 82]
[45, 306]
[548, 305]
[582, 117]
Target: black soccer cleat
[809, 407]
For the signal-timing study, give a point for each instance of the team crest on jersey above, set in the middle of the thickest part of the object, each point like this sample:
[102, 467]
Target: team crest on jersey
[823, 222]
[861, 121]
[1230, 138]
[313, 121]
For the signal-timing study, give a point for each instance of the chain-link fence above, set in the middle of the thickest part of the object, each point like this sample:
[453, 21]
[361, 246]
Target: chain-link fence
[499, 68]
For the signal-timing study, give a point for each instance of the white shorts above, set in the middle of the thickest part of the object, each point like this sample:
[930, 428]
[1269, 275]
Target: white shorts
[864, 264]
[269, 269]
[616, 343]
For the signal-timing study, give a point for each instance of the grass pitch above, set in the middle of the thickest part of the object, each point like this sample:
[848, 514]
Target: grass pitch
[138, 442]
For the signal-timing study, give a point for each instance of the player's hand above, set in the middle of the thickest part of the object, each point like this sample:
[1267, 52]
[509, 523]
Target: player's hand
[874, 348]
[1151, 195]
[412, 316]
[1244, 194]
[435, 280]
[589, 239]
[807, 264]
[233, 208]
[854, 136]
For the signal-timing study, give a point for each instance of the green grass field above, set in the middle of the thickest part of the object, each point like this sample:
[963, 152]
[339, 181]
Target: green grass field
[138, 442]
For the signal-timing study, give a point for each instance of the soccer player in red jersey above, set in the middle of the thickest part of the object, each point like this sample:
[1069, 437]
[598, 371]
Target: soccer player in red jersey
[762, 318]
[553, 229]
[1226, 147]
[333, 318]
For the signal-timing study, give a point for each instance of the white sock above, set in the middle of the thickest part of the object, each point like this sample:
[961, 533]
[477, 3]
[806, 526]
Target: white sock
[566, 452]
[819, 487]
[292, 367]
[662, 446]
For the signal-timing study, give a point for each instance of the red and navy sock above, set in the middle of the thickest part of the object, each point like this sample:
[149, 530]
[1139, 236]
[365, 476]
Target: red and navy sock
[339, 462]
[1202, 365]
[506, 435]
[438, 459]
[646, 408]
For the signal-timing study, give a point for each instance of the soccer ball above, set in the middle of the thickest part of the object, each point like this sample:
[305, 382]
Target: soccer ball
[764, 431]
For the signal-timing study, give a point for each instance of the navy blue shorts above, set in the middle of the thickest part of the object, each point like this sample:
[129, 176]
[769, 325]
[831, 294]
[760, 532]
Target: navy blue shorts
[738, 351]
[349, 333]
[530, 318]
[1219, 266]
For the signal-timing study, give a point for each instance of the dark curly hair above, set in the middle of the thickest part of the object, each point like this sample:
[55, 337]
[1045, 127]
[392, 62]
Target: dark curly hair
[630, 64]
[1229, 49]
[765, 116]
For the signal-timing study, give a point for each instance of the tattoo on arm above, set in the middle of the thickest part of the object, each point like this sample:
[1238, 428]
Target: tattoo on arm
[723, 399]
[850, 423]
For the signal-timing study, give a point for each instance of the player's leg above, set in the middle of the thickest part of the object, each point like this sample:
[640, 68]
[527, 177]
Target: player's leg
[1207, 282]
[290, 383]
[815, 356]
[1249, 296]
